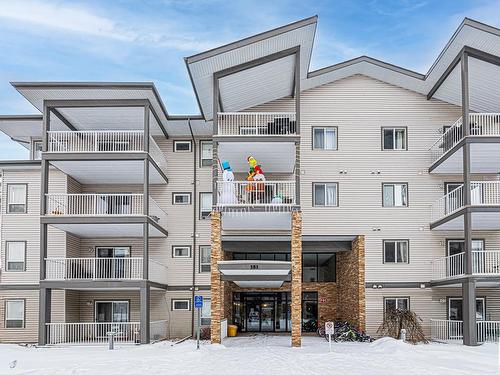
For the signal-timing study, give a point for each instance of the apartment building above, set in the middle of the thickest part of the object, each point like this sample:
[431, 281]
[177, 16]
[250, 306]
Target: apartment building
[371, 187]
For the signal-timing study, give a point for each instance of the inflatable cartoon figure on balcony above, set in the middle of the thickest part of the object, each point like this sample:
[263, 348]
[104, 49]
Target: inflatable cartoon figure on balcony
[256, 176]
[228, 192]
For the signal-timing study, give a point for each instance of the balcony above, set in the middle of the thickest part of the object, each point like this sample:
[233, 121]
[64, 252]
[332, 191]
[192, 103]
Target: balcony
[96, 332]
[85, 215]
[484, 264]
[259, 124]
[86, 155]
[452, 330]
[446, 152]
[446, 212]
[103, 269]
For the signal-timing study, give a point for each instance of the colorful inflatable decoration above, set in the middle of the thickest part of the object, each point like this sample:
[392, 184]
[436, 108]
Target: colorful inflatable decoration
[228, 191]
[255, 176]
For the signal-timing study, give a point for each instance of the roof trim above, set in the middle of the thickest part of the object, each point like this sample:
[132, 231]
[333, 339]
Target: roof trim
[251, 39]
[370, 60]
[20, 117]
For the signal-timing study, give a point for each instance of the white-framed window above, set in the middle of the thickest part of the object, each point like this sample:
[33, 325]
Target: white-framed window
[396, 251]
[205, 205]
[325, 194]
[181, 304]
[14, 313]
[181, 198]
[206, 312]
[395, 194]
[205, 258]
[206, 153]
[325, 138]
[401, 303]
[16, 198]
[393, 139]
[181, 251]
[36, 150]
[15, 256]
[182, 146]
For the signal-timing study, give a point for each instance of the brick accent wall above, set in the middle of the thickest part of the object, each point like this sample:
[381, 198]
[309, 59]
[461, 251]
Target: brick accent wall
[327, 300]
[351, 284]
[296, 293]
[216, 287]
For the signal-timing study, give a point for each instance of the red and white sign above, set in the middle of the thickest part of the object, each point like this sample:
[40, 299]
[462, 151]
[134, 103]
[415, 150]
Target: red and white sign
[322, 300]
[329, 328]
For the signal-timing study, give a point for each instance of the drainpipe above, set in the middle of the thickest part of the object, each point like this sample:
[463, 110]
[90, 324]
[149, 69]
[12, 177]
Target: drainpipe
[194, 226]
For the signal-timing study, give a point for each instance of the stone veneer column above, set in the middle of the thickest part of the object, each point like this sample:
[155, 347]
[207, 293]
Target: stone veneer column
[296, 257]
[215, 281]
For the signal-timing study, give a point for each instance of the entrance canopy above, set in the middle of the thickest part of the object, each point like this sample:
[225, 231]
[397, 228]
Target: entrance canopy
[255, 273]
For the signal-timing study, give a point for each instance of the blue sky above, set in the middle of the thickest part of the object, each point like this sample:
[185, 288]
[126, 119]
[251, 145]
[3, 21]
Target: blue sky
[126, 40]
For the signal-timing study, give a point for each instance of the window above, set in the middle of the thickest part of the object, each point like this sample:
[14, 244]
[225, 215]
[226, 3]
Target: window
[395, 195]
[325, 194]
[205, 258]
[111, 311]
[181, 198]
[206, 312]
[205, 205]
[206, 154]
[181, 304]
[14, 313]
[394, 139]
[458, 246]
[15, 257]
[318, 267]
[396, 251]
[401, 303]
[181, 251]
[325, 138]
[36, 150]
[182, 146]
[16, 198]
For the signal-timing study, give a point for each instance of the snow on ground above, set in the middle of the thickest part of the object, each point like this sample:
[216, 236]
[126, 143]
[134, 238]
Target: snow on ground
[258, 354]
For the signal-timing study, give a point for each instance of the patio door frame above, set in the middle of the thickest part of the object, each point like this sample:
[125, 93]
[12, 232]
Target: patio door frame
[116, 264]
[100, 332]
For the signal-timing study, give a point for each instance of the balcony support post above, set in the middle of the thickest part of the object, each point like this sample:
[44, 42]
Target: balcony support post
[145, 231]
[44, 312]
[145, 313]
[468, 285]
[44, 188]
[146, 128]
[297, 125]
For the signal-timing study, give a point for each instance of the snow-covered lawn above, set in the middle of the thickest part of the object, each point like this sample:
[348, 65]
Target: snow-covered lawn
[253, 355]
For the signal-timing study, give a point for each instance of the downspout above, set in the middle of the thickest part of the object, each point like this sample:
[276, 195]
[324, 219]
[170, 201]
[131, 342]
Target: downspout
[194, 226]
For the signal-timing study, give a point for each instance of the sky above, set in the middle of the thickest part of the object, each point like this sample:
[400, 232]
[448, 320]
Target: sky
[131, 40]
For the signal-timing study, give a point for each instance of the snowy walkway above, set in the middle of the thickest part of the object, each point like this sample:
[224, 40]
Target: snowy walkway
[253, 355]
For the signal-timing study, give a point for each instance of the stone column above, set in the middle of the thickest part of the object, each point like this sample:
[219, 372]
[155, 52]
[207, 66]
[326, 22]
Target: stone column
[296, 257]
[358, 246]
[215, 281]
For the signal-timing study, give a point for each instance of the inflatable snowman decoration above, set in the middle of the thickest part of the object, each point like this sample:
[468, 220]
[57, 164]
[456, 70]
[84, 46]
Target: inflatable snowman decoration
[228, 192]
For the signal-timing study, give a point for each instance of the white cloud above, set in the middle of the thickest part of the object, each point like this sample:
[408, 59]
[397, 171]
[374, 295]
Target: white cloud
[77, 19]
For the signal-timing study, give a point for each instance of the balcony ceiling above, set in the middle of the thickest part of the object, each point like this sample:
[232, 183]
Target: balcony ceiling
[108, 230]
[274, 157]
[22, 128]
[480, 221]
[485, 158]
[257, 221]
[108, 171]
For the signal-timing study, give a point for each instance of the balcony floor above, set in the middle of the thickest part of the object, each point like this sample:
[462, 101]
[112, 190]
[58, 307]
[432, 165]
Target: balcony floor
[100, 230]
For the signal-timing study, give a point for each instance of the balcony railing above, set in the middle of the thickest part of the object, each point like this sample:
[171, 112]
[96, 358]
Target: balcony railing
[484, 263]
[255, 193]
[96, 333]
[452, 330]
[103, 141]
[94, 204]
[481, 124]
[256, 123]
[483, 193]
[96, 269]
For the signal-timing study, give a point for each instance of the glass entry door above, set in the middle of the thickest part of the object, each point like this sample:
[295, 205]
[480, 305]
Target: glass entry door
[113, 264]
[112, 312]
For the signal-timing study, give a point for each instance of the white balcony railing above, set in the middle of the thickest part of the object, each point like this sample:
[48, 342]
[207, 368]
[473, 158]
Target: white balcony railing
[92, 332]
[103, 141]
[94, 204]
[484, 263]
[95, 269]
[483, 193]
[255, 193]
[481, 124]
[256, 123]
[452, 330]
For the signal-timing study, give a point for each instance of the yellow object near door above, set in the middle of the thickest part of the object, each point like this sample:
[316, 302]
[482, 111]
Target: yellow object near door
[232, 330]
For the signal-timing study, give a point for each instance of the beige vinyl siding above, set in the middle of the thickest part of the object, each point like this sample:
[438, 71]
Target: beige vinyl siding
[28, 334]
[26, 227]
[180, 321]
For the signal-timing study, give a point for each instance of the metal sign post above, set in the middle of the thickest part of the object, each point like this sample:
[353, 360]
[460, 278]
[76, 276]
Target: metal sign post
[329, 330]
[198, 304]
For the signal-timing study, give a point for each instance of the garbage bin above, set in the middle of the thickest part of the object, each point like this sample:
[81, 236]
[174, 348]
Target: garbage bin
[232, 330]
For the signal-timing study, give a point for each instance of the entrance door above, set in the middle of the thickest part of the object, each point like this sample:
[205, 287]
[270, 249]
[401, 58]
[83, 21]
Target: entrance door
[267, 316]
[259, 315]
[253, 316]
[113, 265]
[455, 313]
